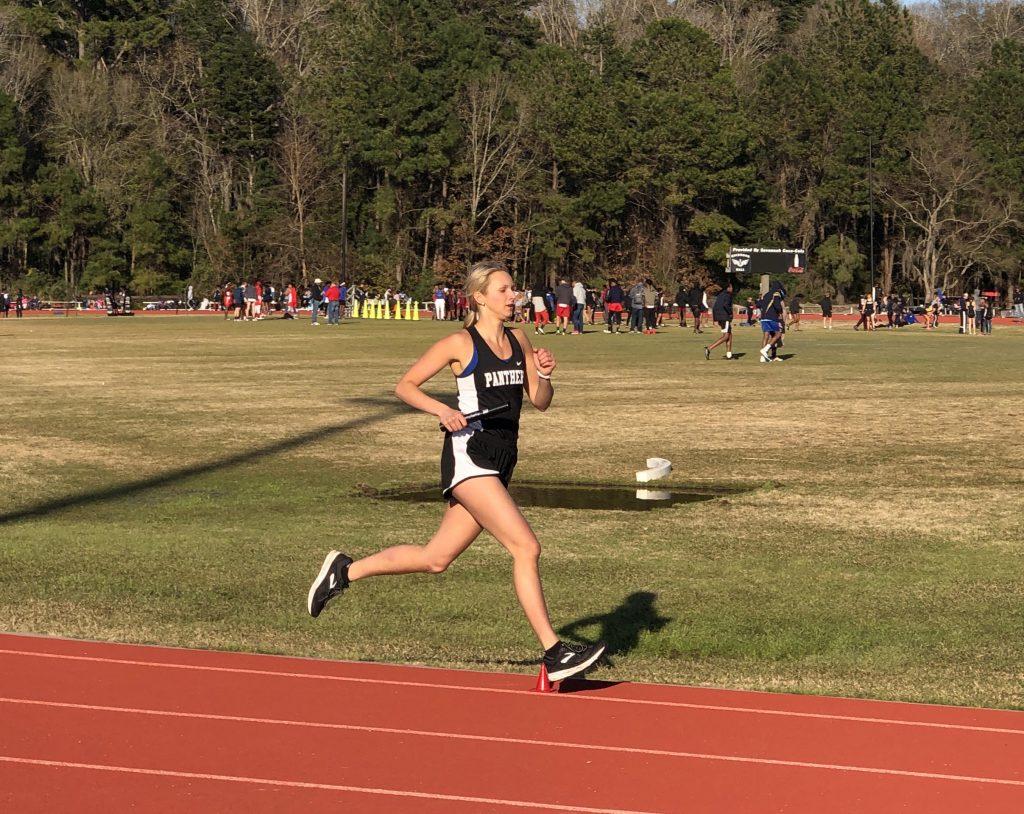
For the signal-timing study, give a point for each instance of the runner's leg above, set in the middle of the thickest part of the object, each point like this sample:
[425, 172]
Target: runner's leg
[490, 504]
[457, 531]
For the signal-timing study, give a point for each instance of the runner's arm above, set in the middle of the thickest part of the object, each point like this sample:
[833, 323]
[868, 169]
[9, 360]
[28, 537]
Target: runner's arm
[441, 354]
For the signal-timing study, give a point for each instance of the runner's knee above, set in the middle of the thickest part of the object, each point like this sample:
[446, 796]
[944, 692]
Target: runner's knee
[437, 565]
[526, 549]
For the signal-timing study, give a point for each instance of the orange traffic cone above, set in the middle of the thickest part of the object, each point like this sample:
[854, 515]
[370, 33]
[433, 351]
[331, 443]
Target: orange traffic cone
[544, 684]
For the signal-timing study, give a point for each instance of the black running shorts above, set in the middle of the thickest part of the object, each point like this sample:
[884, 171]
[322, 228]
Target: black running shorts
[475, 453]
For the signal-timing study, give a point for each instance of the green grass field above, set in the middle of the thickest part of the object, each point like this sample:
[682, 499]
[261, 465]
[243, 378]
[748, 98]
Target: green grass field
[178, 480]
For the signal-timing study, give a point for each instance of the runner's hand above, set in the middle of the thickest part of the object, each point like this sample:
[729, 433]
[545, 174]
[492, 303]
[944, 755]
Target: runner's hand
[544, 360]
[452, 420]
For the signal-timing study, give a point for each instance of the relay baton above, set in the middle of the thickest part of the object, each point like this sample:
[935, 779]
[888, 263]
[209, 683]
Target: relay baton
[473, 416]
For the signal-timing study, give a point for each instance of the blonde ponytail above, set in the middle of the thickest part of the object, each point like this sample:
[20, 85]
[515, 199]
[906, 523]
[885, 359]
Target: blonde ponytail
[478, 279]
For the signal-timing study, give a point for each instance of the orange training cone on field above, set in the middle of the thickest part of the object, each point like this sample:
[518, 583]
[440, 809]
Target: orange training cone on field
[544, 684]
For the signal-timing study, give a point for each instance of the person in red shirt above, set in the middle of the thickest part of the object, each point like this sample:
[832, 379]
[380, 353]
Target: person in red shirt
[333, 297]
[229, 299]
[257, 309]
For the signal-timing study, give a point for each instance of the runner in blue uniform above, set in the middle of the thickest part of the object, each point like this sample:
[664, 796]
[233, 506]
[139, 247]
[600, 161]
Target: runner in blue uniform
[492, 364]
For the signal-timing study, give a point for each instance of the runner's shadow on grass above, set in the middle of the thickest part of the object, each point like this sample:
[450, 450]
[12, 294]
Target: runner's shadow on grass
[738, 355]
[400, 407]
[183, 473]
[621, 628]
[786, 355]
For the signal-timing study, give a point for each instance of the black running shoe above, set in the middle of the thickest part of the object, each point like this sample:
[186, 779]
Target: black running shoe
[707, 353]
[331, 581]
[566, 659]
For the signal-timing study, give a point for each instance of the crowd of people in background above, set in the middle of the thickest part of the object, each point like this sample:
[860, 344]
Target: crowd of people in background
[635, 306]
[975, 313]
[17, 301]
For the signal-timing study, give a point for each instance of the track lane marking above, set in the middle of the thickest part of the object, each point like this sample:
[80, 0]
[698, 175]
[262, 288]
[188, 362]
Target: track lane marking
[266, 781]
[525, 693]
[522, 741]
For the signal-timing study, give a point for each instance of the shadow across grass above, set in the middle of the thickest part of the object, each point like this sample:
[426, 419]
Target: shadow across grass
[622, 627]
[121, 490]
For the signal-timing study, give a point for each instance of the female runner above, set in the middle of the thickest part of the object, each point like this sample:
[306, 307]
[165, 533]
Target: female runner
[492, 365]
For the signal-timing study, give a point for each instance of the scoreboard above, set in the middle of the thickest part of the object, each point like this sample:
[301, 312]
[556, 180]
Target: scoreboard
[744, 260]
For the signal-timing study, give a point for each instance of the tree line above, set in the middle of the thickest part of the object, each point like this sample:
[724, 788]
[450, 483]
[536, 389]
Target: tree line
[147, 143]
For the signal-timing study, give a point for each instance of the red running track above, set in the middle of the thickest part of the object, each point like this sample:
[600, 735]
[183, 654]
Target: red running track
[96, 727]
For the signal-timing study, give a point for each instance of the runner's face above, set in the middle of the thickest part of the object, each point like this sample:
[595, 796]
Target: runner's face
[500, 296]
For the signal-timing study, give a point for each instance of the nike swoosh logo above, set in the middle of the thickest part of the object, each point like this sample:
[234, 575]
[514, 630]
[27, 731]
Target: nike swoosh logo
[519, 364]
[567, 657]
[332, 582]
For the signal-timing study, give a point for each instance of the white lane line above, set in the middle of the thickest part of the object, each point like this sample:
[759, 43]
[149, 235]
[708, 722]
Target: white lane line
[523, 741]
[298, 784]
[576, 696]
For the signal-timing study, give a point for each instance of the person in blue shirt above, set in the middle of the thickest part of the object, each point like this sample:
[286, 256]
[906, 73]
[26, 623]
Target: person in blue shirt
[772, 310]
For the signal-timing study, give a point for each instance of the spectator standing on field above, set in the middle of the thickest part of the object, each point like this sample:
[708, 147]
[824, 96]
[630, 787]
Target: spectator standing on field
[549, 301]
[250, 301]
[540, 312]
[636, 307]
[228, 300]
[695, 300]
[342, 298]
[681, 301]
[650, 307]
[592, 303]
[438, 302]
[316, 295]
[291, 301]
[579, 304]
[613, 300]
[865, 316]
[563, 306]
[333, 297]
[5, 303]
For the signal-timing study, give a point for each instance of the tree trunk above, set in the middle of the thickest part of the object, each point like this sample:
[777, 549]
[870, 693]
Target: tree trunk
[888, 253]
[426, 245]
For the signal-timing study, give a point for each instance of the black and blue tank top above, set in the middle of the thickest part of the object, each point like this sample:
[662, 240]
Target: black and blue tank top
[488, 380]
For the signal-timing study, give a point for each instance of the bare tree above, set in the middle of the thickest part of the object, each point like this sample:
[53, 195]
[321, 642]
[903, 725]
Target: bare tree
[286, 29]
[959, 34]
[949, 215]
[24, 64]
[94, 119]
[174, 81]
[746, 32]
[300, 161]
[559, 21]
[495, 157]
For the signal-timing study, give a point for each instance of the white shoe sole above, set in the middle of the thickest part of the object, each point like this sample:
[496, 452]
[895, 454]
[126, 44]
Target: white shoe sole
[561, 675]
[319, 578]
